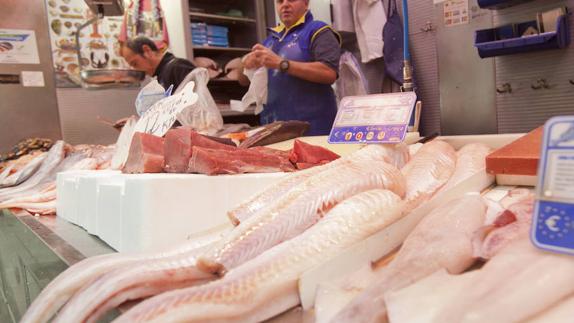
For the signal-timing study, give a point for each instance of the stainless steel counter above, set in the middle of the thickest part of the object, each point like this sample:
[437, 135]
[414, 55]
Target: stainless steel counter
[33, 251]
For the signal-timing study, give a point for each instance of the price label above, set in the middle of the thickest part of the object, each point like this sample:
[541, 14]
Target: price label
[158, 119]
[377, 118]
[553, 221]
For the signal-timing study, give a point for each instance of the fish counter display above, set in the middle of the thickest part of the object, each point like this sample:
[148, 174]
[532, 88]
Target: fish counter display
[467, 260]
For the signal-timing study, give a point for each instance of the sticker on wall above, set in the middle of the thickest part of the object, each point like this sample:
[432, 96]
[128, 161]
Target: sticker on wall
[456, 12]
[18, 46]
[33, 79]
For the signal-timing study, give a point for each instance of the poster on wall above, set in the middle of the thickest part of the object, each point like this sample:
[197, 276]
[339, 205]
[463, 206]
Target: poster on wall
[99, 44]
[456, 12]
[18, 46]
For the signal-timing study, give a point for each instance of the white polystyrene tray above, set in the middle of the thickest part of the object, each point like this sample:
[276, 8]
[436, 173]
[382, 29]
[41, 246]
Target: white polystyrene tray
[159, 210]
[110, 195]
[146, 212]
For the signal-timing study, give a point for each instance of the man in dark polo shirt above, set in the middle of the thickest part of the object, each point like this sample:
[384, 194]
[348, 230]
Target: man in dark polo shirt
[142, 54]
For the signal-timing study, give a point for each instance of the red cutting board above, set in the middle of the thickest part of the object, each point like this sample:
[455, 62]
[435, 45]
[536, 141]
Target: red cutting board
[519, 157]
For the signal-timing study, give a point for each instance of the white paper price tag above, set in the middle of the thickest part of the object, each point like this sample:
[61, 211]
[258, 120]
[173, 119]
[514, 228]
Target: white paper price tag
[158, 119]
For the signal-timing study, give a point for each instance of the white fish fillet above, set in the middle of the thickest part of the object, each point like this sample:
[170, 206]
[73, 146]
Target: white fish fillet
[470, 160]
[334, 295]
[516, 284]
[563, 312]
[59, 290]
[145, 278]
[267, 285]
[441, 240]
[419, 302]
[428, 170]
[396, 155]
[299, 209]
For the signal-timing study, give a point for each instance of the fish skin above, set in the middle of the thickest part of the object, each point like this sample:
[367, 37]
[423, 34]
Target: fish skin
[55, 155]
[396, 155]
[23, 174]
[81, 274]
[267, 285]
[441, 240]
[428, 170]
[299, 209]
[37, 198]
[6, 172]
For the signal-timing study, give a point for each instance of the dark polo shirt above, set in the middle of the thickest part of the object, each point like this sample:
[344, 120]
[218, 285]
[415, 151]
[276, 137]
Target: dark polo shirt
[172, 70]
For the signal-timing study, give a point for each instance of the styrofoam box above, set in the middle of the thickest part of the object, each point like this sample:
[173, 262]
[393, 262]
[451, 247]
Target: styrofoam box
[110, 196]
[146, 212]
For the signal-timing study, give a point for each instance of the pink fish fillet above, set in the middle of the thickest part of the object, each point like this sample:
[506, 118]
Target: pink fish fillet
[267, 285]
[143, 279]
[396, 155]
[299, 209]
[428, 170]
[441, 240]
[82, 274]
[470, 160]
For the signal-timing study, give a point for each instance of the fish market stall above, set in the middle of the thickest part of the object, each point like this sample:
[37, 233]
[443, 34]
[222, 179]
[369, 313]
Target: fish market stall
[309, 284]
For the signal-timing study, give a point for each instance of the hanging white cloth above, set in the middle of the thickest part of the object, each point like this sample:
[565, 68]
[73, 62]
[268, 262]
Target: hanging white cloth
[370, 18]
[343, 15]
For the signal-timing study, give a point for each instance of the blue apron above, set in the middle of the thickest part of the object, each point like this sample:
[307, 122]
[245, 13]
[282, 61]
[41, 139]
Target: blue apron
[289, 97]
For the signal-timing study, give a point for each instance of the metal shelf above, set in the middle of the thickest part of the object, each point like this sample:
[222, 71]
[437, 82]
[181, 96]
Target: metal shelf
[222, 18]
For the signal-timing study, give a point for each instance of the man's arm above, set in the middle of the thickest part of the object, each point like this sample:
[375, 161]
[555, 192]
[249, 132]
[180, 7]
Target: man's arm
[317, 72]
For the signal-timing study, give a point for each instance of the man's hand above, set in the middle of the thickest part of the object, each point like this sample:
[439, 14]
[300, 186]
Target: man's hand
[266, 57]
[250, 61]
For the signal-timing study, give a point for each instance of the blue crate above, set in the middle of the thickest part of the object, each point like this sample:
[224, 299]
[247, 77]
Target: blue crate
[499, 4]
[494, 42]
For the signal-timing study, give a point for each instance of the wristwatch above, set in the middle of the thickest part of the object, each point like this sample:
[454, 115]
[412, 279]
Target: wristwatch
[284, 66]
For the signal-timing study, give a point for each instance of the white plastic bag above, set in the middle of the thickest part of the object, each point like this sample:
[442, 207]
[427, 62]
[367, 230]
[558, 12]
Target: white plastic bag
[204, 116]
[150, 94]
[257, 92]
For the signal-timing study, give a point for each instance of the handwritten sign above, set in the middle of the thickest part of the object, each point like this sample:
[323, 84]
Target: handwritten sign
[553, 221]
[377, 118]
[158, 119]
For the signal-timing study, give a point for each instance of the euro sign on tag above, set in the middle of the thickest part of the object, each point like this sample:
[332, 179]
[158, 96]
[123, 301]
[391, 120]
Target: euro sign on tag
[553, 220]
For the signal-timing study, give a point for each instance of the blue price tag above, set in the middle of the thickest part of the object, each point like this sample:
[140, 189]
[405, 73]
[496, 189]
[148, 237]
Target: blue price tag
[553, 221]
[377, 118]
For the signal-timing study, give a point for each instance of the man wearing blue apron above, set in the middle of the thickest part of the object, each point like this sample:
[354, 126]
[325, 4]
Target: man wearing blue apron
[302, 58]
